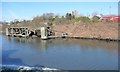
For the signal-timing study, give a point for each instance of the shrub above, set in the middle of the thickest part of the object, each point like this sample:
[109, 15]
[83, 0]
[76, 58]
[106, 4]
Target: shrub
[96, 19]
[84, 19]
[77, 19]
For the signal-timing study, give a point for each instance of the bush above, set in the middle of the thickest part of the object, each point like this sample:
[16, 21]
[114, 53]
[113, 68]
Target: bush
[109, 21]
[84, 19]
[96, 19]
[77, 19]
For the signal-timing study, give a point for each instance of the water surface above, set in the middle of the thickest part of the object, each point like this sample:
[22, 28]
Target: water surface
[68, 54]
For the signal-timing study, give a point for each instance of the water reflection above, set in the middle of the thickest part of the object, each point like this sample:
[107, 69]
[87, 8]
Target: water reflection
[0, 49]
[36, 43]
[8, 39]
[6, 57]
[110, 46]
[61, 53]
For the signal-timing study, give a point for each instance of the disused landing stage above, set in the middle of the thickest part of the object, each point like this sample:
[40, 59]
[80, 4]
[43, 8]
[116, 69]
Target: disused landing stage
[17, 31]
[43, 32]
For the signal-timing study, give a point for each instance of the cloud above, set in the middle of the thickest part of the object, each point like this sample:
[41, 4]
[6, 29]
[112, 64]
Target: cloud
[13, 14]
[10, 15]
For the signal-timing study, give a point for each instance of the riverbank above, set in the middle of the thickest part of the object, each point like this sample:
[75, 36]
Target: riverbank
[79, 30]
[97, 31]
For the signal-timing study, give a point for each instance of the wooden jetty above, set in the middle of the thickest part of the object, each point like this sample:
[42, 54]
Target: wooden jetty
[17, 31]
[43, 32]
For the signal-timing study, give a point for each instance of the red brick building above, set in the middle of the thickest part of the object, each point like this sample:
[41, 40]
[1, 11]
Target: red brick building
[111, 18]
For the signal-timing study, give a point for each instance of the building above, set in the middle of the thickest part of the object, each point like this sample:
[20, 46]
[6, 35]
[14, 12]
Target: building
[116, 18]
[111, 18]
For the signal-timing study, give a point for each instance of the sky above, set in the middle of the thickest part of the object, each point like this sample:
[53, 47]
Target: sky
[28, 10]
[60, 0]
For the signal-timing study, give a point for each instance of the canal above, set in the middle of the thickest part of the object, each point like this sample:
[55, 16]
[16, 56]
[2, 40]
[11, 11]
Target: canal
[68, 54]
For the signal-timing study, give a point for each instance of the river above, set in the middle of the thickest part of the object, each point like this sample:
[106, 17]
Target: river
[68, 54]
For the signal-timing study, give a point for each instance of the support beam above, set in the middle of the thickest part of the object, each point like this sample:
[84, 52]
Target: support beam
[44, 32]
[7, 31]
